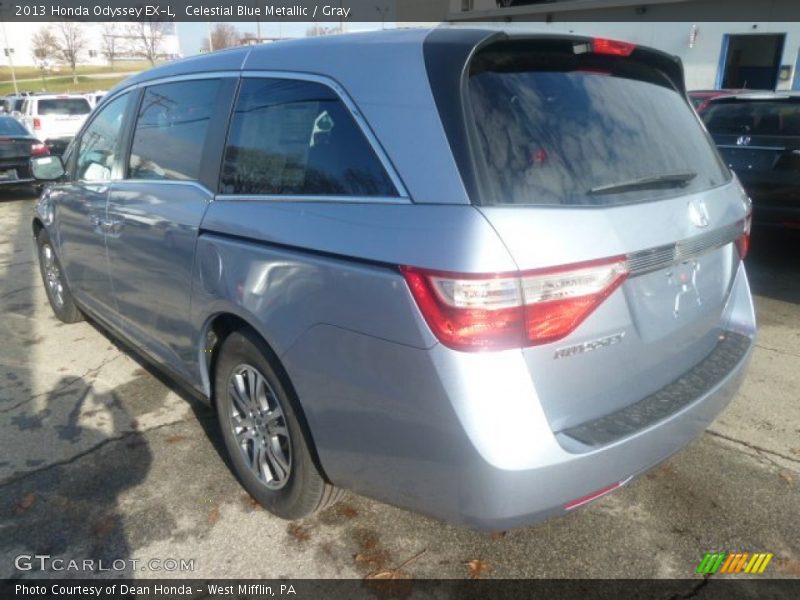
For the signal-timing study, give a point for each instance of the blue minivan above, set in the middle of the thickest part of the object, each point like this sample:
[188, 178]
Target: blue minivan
[486, 276]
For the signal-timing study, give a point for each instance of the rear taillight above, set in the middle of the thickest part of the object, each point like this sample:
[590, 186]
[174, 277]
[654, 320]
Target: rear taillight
[512, 310]
[612, 47]
[39, 150]
[37, 123]
[743, 241]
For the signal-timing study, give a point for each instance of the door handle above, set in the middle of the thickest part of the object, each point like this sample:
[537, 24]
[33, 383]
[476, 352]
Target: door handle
[106, 224]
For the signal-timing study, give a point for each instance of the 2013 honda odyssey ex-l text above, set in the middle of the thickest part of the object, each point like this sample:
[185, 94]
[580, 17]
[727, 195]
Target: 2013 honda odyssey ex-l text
[485, 276]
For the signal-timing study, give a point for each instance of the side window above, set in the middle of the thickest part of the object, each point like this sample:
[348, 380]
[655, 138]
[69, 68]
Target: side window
[99, 143]
[297, 138]
[171, 130]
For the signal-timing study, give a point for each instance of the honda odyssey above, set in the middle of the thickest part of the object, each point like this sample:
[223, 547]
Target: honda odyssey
[486, 276]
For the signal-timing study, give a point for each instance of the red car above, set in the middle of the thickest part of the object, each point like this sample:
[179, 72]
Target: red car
[701, 98]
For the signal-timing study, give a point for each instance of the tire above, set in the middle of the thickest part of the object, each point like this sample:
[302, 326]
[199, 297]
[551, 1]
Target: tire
[245, 362]
[58, 294]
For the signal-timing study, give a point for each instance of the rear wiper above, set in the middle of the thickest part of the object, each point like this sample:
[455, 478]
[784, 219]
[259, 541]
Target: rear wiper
[652, 181]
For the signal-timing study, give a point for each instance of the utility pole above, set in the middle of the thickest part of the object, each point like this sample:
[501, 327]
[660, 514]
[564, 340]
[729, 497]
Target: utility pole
[9, 52]
[210, 42]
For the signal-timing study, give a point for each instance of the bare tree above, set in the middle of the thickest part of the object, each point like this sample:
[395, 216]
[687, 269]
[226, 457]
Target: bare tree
[223, 35]
[43, 44]
[148, 37]
[70, 44]
[112, 42]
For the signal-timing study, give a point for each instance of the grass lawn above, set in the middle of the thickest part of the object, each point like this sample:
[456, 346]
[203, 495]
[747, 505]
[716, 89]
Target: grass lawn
[28, 72]
[64, 84]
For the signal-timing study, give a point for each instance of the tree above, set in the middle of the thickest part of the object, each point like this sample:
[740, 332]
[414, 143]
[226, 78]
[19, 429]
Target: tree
[112, 42]
[70, 44]
[148, 37]
[223, 35]
[43, 44]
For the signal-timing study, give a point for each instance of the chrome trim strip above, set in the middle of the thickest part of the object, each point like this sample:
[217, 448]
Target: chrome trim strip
[301, 198]
[745, 147]
[171, 79]
[182, 182]
[661, 257]
[372, 140]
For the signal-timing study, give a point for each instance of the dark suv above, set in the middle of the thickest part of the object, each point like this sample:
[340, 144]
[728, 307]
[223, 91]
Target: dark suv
[758, 135]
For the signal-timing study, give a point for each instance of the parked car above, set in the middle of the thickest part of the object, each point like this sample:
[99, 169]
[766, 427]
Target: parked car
[12, 105]
[485, 276]
[55, 119]
[758, 135]
[701, 98]
[17, 146]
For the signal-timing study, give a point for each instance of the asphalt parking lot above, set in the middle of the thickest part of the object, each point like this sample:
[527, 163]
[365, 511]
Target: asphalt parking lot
[103, 460]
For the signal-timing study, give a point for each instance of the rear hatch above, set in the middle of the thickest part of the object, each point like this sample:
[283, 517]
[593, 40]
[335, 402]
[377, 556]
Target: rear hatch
[589, 154]
[759, 138]
[60, 117]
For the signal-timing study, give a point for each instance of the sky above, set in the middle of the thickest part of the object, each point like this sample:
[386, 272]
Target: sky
[192, 35]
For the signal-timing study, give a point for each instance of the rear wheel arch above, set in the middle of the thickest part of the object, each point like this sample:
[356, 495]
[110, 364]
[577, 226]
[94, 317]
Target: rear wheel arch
[220, 326]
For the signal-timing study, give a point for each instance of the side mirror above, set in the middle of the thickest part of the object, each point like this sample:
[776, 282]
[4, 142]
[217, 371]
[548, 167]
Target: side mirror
[47, 168]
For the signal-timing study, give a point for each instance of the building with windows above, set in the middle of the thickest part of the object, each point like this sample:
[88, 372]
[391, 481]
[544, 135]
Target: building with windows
[759, 50]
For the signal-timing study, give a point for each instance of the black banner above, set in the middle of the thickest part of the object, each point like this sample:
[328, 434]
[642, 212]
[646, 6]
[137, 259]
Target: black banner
[385, 587]
[400, 11]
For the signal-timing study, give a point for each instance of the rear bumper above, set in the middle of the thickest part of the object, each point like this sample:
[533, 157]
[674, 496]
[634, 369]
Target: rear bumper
[463, 437]
[23, 172]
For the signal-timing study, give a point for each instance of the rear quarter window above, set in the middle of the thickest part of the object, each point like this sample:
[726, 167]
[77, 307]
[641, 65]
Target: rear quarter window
[552, 127]
[291, 137]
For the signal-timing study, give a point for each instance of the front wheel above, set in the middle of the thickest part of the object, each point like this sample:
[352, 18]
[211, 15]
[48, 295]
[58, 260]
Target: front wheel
[55, 285]
[265, 440]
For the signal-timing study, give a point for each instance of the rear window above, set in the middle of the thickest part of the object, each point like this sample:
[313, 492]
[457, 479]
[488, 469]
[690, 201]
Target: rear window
[64, 106]
[753, 117]
[10, 126]
[563, 128]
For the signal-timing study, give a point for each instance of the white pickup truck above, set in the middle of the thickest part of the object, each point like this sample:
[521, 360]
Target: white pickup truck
[55, 118]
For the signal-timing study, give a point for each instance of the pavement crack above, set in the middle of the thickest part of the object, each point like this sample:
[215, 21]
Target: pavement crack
[93, 372]
[778, 351]
[692, 592]
[76, 457]
[18, 290]
[759, 449]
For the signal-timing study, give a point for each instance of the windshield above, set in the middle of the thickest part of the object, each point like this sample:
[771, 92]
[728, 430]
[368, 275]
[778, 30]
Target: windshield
[64, 106]
[553, 128]
[753, 117]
